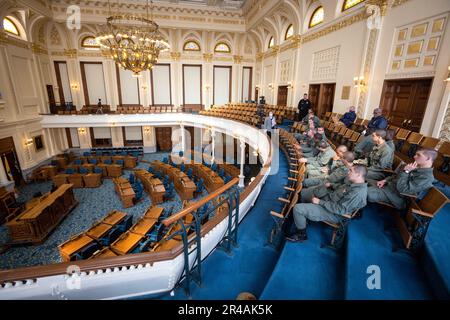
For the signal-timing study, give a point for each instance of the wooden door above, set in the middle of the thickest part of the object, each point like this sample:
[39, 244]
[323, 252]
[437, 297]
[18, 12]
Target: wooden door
[256, 95]
[164, 139]
[282, 96]
[10, 161]
[314, 92]
[326, 99]
[404, 102]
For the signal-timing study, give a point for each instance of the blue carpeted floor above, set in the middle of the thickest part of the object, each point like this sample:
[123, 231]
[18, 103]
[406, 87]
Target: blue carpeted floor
[252, 263]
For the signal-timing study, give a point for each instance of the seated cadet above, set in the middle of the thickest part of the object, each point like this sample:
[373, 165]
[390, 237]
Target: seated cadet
[332, 182]
[346, 199]
[311, 116]
[308, 148]
[315, 164]
[378, 122]
[381, 157]
[412, 179]
[337, 168]
[390, 134]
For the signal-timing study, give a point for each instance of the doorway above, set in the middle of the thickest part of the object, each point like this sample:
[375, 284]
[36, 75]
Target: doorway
[10, 161]
[164, 139]
[282, 96]
[322, 98]
[404, 102]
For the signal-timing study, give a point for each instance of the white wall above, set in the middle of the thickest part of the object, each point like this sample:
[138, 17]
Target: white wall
[161, 85]
[222, 85]
[95, 82]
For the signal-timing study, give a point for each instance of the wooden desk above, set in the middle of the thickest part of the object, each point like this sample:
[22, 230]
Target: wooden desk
[114, 217]
[104, 253]
[157, 191]
[211, 179]
[69, 248]
[130, 162]
[60, 179]
[125, 191]
[143, 226]
[99, 230]
[35, 224]
[62, 162]
[50, 170]
[126, 243]
[89, 167]
[185, 187]
[153, 213]
[114, 170]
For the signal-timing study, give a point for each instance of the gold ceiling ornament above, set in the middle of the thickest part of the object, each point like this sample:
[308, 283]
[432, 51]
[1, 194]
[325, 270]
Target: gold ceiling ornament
[133, 42]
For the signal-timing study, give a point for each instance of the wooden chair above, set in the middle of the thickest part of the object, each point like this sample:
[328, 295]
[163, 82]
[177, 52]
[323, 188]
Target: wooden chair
[280, 217]
[429, 142]
[340, 229]
[414, 226]
[411, 144]
[442, 163]
[400, 138]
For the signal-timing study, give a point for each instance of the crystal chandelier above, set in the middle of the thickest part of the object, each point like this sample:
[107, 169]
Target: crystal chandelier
[133, 42]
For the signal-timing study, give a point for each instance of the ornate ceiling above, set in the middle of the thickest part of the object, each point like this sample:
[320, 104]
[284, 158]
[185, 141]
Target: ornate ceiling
[223, 4]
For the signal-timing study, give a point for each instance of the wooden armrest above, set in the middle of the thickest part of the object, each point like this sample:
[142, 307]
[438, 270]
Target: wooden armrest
[289, 189]
[422, 213]
[276, 214]
[292, 179]
[294, 171]
[284, 200]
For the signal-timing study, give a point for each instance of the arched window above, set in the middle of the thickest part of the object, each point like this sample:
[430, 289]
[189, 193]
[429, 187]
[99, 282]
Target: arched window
[271, 42]
[10, 27]
[350, 4]
[317, 17]
[191, 46]
[89, 43]
[222, 48]
[289, 32]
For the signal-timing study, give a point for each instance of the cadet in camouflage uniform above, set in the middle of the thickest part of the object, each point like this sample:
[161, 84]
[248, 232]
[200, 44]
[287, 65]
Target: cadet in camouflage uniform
[334, 164]
[381, 157]
[344, 200]
[314, 165]
[412, 179]
[313, 117]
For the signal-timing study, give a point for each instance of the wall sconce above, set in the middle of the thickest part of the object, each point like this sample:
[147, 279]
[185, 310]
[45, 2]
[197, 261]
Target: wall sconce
[290, 85]
[28, 142]
[81, 130]
[147, 130]
[271, 86]
[359, 82]
[74, 86]
[448, 76]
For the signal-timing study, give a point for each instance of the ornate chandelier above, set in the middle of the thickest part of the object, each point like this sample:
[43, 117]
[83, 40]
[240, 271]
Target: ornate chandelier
[133, 42]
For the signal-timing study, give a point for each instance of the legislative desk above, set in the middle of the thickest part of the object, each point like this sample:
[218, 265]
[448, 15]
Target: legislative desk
[143, 226]
[114, 217]
[126, 243]
[104, 253]
[60, 179]
[71, 247]
[125, 191]
[50, 171]
[154, 213]
[230, 169]
[154, 187]
[185, 187]
[129, 162]
[99, 230]
[211, 178]
[35, 224]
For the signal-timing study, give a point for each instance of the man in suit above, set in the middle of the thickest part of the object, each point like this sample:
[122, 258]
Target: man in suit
[348, 118]
[303, 107]
[378, 122]
[411, 180]
[345, 199]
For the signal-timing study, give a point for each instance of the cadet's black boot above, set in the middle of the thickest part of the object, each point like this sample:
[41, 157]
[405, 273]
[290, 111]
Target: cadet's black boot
[300, 236]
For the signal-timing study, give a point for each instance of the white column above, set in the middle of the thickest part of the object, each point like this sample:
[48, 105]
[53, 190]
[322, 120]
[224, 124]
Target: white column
[183, 139]
[213, 142]
[241, 175]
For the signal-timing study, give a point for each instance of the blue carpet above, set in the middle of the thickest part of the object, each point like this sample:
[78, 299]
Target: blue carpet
[252, 263]
[93, 205]
[307, 272]
[368, 244]
[436, 255]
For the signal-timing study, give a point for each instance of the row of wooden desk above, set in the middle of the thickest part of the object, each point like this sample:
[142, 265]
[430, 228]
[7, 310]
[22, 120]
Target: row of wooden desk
[36, 223]
[125, 191]
[129, 162]
[211, 178]
[108, 170]
[183, 184]
[90, 180]
[124, 244]
[154, 187]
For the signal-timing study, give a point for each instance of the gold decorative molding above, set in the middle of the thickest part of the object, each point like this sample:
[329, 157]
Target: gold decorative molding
[207, 57]
[175, 56]
[71, 53]
[238, 59]
[382, 4]
[292, 43]
[397, 3]
[259, 57]
[38, 49]
[335, 27]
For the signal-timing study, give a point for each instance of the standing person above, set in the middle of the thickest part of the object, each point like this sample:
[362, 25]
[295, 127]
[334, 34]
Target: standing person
[303, 107]
[99, 107]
